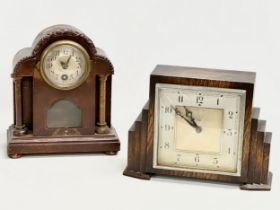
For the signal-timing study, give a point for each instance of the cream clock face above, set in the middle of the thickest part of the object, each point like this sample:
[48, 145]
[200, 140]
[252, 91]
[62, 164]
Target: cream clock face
[199, 129]
[65, 65]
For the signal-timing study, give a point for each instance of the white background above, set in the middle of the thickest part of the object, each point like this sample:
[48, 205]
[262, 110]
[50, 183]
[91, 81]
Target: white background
[137, 35]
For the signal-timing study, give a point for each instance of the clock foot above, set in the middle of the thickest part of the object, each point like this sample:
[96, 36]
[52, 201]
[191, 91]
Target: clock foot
[258, 187]
[14, 156]
[111, 153]
[137, 174]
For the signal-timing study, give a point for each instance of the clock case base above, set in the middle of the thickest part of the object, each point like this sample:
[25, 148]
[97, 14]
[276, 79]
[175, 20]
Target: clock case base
[259, 178]
[259, 187]
[29, 144]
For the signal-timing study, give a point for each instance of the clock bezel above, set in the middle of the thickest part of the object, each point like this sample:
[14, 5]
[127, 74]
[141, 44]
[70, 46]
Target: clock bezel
[75, 45]
[223, 91]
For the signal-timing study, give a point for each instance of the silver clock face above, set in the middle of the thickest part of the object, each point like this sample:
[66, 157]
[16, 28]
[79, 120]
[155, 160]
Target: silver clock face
[199, 129]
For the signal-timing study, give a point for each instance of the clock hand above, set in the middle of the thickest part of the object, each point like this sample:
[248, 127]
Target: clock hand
[67, 62]
[62, 64]
[193, 123]
[188, 118]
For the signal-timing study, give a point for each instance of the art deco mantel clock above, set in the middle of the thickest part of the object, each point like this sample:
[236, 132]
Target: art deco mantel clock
[62, 96]
[200, 123]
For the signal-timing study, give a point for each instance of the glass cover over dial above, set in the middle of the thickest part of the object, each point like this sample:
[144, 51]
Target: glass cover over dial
[65, 64]
[199, 129]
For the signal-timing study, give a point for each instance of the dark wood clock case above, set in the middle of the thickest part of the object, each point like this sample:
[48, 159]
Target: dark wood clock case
[255, 173]
[34, 98]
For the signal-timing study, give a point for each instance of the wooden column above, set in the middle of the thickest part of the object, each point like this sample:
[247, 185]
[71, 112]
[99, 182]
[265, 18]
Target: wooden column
[20, 128]
[102, 127]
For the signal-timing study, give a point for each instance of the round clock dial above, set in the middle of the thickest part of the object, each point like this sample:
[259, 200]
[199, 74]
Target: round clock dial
[65, 65]
[199, 129]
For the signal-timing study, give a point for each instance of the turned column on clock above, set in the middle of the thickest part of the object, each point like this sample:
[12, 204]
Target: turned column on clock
[102, 127]
[19, 126]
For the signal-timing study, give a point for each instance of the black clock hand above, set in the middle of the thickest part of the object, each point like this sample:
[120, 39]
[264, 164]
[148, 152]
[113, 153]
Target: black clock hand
[189, 119]
[193, 123]
[183, 116]
[62, 64]
[67, 62]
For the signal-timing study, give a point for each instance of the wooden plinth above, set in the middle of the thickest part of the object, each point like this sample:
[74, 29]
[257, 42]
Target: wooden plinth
[29, 144]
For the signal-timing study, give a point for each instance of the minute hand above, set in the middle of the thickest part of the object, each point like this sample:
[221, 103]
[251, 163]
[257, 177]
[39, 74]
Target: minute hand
[67, 62]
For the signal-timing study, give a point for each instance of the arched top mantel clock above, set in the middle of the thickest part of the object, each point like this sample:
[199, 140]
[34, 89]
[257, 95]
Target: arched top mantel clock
[62, 96]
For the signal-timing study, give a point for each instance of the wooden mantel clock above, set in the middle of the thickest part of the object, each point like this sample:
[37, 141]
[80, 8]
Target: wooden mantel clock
[200, 123]
[62, 96]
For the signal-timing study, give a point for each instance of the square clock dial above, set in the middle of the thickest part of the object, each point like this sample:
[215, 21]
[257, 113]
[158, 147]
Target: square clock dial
[198, 129]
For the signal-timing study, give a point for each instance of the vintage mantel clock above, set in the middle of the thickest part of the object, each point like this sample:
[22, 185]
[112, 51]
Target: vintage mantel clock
[62, 96]
[200, 123]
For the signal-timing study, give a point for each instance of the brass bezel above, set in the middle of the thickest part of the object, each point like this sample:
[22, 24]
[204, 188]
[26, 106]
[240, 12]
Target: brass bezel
[75, 45]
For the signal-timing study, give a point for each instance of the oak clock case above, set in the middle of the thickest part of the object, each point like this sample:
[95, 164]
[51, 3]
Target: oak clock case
[62, 96]
[200, 123]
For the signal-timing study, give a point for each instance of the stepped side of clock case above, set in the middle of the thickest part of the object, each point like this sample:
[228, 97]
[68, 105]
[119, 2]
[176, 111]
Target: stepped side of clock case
[137, 134]
[259, 177]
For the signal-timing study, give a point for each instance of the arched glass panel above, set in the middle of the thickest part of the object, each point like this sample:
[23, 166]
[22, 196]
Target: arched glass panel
[64, 114]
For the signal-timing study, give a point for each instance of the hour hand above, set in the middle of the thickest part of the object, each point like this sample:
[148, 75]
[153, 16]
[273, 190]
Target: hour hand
[65, 64]
[188, 118]
[62, 64]
[192, 120]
